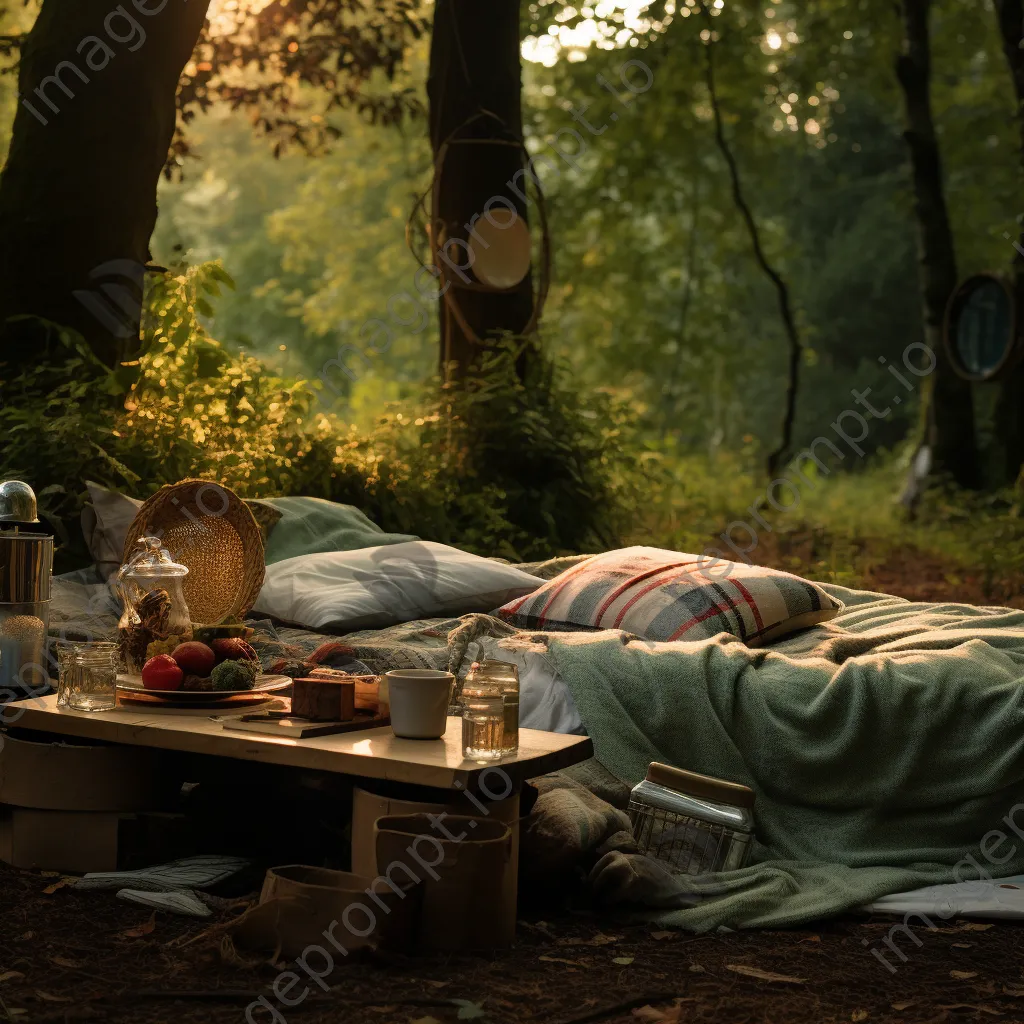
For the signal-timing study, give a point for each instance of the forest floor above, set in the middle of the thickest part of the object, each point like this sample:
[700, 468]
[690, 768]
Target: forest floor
[893, 568]
[69, 956]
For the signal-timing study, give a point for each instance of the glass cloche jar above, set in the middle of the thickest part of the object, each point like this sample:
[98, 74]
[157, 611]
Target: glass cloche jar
[155, 612]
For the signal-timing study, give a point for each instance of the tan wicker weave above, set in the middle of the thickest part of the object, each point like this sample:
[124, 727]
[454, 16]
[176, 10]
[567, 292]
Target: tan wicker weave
[208, 528]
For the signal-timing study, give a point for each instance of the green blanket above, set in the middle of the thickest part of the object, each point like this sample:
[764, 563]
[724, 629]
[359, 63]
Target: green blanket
[886, 748]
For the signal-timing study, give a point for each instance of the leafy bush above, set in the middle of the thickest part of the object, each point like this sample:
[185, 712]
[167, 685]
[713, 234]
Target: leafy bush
[520, 468]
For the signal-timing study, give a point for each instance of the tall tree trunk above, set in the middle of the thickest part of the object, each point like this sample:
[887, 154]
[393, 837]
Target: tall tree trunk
[476, 126]
[1010, 406]
[949, 407]
[78, 192]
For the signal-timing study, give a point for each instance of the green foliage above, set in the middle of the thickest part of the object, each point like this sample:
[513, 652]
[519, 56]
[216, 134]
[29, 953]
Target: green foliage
[519, 467]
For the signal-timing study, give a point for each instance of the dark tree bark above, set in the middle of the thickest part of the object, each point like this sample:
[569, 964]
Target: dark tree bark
[1010, 406]
[90, 140]
[476, 126]
[949, 405]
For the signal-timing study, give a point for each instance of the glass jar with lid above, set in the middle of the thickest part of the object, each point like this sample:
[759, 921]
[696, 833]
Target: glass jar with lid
[150, 585]
[497, 679]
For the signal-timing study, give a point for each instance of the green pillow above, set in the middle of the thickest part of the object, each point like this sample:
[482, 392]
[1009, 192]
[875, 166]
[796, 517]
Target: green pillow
[311, 525]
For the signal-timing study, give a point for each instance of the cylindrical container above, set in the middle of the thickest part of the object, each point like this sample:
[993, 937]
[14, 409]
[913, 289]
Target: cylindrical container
[483, 727]
[497, 678]
[419, 702]
[694, 823]
[26, 563]
[92, 685]
[462, 864]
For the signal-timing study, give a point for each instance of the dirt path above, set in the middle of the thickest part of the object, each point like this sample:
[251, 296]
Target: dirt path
[67, 956]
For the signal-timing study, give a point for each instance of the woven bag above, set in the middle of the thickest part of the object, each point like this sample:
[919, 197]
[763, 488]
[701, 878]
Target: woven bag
[208, 528]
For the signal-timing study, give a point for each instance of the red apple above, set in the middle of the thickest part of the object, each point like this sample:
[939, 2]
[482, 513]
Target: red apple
[162, 673]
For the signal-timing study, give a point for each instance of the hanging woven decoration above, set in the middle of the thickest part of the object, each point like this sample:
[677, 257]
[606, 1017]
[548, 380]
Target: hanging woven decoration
[499, 248]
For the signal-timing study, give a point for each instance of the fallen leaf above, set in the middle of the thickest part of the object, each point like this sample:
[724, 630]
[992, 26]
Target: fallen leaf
[963, 975]
[49, 874]
[859, 1015]
[62, 961]
[696, 968]
[438, 984]
[468, 1010]
[652, 1015]
[975, 926]
[15, 1011]
[660, 936]
[623, 961]
[756, 972]
[905, 1004]
[559, 960]
[51, 889]
[11, 976]
[598, 940]
[811, 938]
[141, 929]
[24, 938]
[49, 998]
[962, 945]
[1008, 990]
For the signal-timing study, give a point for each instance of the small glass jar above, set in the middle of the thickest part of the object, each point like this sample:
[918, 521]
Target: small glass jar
[483, 727]
[497, 678]
[88, 677]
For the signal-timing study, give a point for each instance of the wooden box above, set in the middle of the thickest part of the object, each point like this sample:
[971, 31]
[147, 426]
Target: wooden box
[324, 700]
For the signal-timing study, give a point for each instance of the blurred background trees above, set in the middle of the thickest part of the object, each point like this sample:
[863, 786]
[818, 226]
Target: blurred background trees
[303, 144]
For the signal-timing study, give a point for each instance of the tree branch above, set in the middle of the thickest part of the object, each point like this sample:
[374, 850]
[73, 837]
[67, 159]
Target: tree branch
[785, 309]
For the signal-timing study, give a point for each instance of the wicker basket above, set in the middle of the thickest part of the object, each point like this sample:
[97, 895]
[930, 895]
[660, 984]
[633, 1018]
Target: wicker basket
[209, 529]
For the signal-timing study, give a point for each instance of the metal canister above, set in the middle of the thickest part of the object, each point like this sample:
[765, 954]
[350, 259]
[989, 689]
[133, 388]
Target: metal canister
[694, 823]
[26, 568]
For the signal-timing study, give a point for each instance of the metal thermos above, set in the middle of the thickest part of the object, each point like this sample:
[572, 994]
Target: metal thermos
[26, 567]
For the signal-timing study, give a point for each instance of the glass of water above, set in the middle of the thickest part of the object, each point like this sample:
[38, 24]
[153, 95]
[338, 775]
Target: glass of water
[483, 727]
[88, 676]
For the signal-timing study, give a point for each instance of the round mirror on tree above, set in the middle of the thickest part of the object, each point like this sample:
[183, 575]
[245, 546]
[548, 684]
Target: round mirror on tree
[981, 327]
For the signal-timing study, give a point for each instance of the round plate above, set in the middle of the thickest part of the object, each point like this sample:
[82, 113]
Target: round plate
[264, 684]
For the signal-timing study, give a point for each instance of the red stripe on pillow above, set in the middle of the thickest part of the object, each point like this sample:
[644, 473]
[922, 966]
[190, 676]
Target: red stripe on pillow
[753, 604]
[632, 582]
[646, 590]
[704, 616]
[569, 574]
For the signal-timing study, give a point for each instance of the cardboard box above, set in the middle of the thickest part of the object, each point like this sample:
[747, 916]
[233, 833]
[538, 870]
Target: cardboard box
[75, 842]
[57, 775]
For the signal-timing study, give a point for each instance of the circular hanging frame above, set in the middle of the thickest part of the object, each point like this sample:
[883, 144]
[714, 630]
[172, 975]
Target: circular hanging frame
[949, 328]
[435, 230]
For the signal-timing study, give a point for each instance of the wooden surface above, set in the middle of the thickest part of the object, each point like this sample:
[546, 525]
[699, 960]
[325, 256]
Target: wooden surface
[374, 753]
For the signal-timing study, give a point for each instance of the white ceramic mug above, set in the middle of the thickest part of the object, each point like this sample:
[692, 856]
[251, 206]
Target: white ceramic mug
[419, 702]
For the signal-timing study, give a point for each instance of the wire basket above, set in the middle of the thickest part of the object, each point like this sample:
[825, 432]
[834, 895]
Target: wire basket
[693, 823]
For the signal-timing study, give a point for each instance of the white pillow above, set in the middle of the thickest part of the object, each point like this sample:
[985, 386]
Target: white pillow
[105, 525]
[368, 588]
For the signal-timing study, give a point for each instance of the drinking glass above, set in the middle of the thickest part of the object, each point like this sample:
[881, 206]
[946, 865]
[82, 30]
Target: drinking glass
[483, 728]
[90, 676]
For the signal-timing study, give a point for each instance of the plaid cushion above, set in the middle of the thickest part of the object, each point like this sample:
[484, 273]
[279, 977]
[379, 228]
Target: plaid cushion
[667, 595]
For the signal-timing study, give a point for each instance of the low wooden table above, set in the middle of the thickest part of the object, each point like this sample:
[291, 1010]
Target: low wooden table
[371, 753]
